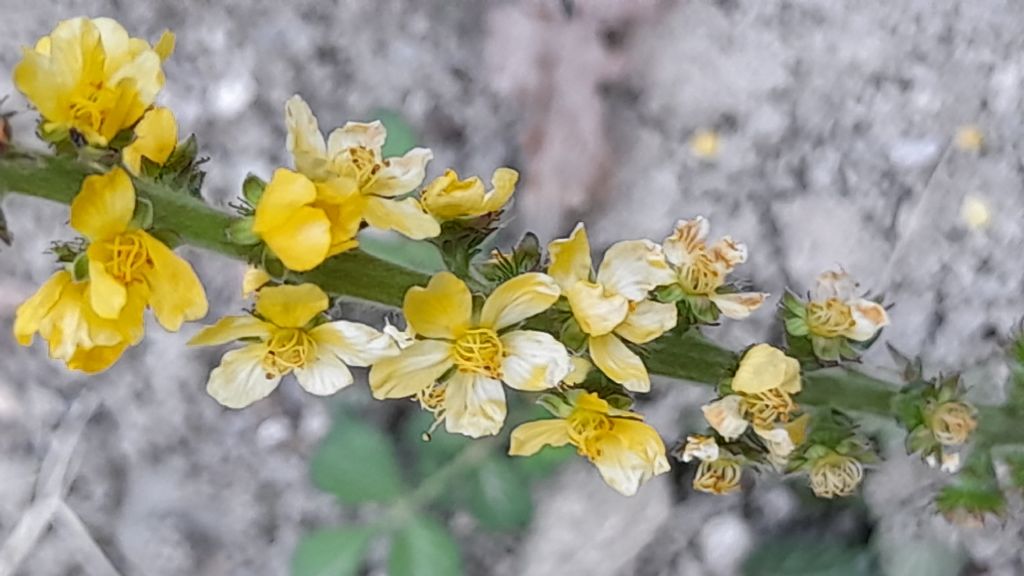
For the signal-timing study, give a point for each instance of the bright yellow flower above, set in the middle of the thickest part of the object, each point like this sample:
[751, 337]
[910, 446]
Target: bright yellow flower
[450, 334]
[626, 451]
[835, 475]
[719, 476]
[289, 338]
[253, 279]
[614, 304]
[354, 178]
[91, 77]
[701, 270]
[124, 260]
[289, 220]
[60, 311]
[835, 310]
[156, 135]
[449, 198]
[766, 380]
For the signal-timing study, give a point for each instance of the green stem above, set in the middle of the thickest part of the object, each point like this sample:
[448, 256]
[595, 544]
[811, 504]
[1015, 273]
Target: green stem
[684, 355]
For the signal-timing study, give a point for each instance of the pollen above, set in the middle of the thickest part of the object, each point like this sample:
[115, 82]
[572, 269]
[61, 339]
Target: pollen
[587, 430]
[768, 407]
[287, 350]
[366, 163]
[128, 257]
[479, 351]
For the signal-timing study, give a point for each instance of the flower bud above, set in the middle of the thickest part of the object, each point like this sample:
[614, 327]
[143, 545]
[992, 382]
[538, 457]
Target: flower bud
[720, 476]
[836, 475]
[952, 423]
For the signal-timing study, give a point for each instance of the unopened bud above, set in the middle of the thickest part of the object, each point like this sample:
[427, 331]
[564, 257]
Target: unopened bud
[952, 423]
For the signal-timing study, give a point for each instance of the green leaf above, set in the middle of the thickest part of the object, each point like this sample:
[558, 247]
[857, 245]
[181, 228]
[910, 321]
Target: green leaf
[414, 255]
[143, 216]
[546, 462]
[796, 326]
[336, 552]
[795, 556]
[357, 463]
[499, 495]
[424, 548]
[401, 136]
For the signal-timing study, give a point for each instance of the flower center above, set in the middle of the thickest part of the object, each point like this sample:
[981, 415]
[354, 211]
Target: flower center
[766, 408]
[366, 163]
[719, 476]
[479, 351]
[587, 430]
[128, 257]
[288, 349]
[836, 475]
[90, 105]
[830, 318]
[701, 276]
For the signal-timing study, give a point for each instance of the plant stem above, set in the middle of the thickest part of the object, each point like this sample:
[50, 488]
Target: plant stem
[685, 355]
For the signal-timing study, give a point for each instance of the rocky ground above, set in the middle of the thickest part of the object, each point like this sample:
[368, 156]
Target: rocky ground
[836, 125]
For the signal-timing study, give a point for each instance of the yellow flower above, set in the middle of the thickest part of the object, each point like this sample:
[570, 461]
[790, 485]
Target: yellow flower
[766, 380]
[952, 423]
[124, 260]
[835, 311]
[626, 451]
[701, 270]
[719, 476]
[289, 221]
[156, 135]
[253, 280]
[782, 440]
[449, 335]
[288, 338]
[60, 311]
[615, 304]
[580, 368]
[700, 448]
[91, 77]
[835, 475]
[449, 198]
[355, 180]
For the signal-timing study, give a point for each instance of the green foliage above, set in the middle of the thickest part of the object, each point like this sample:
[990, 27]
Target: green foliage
[357, 463]
[793, 556]
[525, 257]
[143, 216]
[395, 248]
[337, 552]
[499, 495]
[423, 547]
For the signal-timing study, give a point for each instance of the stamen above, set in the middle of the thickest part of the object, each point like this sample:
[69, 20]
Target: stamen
[830, 318]
[287, 350]
[479, 351]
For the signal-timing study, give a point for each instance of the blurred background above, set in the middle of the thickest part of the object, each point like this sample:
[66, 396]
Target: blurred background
[819, 133]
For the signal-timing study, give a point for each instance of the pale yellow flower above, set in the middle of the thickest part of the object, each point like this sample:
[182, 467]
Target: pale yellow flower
[952, 423]
[253, 280]
[156, 135]
[626, 451]
[480, 348]
[289, 338]
[448, 198]
[835, 310]
[835, 475]
[702, 270]
[580, 368]
[782, 440]
[354, 178]
[91, 77]
[719, 476]
[614, 304]
[700, 447]
[766, 380]
[725, 415]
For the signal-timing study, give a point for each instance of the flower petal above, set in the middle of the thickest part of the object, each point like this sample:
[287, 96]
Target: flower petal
[442, 309]
[685, 240]
[527, 439]
[647, 321]
[291, 306]
[356, 344]
[728, 253]
[414, 369]
[726, 417]
[596, 312]
[32, 311]
[619, 363]
[175, 293]
[631, 457]
[240, 379]
[325, 375]
[518, 299]
[104, 205]
[156, 135]
[231, 328]
[370, 135]
[107, 295]
[570, 258]
[401, 175]
[474, 405]
[763, 368]
[405, 216]
[448, 198]
[305, 142]
[96, 359]
[503, 184]
[534, 361]
[739, 305]
[633, 268]
[298, 234]
[868, 318]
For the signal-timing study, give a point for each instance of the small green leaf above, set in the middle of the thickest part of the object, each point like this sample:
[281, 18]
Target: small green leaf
[252, 189]
[356, 462]
[424, 548]
[336, 552]
[499, 495]
[80, 268]
[796, 326]
[411, 254]
[143, 217]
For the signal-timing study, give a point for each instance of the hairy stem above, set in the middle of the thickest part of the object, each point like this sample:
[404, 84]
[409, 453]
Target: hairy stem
[684, 355]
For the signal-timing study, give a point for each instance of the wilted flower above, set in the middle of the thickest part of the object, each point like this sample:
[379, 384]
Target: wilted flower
[766, 380]
[700, 447]
[835, 475]
[952, 423]
[835, 310]
[448, 198]
[725, 415]
[719, 476]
